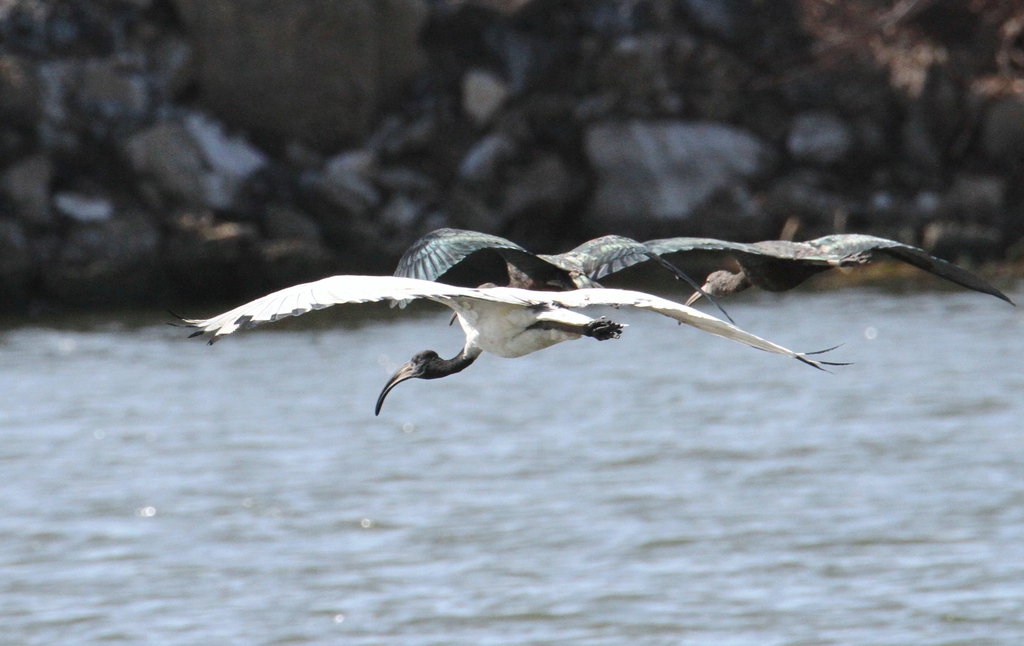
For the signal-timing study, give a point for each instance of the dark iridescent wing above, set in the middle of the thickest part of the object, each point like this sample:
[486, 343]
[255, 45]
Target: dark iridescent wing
[863, 246]
[609, 254]
[440, 250]
[675, 245]
[602, 256]
[773, 265]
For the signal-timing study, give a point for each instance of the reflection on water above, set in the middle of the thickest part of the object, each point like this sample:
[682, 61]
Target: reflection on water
[665, 488]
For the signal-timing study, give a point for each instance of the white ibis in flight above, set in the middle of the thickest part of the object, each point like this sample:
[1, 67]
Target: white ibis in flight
[780, 265]
[505, 321]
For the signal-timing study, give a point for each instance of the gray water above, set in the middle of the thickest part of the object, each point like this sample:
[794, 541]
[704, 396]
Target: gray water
[665, 488]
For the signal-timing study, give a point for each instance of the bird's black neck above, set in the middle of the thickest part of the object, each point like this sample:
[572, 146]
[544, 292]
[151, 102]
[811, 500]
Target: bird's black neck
[439, 367]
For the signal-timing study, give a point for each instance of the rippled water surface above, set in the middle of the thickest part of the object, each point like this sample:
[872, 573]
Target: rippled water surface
[666, 488]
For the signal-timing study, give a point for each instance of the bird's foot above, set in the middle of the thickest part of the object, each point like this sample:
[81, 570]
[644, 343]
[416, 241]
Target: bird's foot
[602, 329]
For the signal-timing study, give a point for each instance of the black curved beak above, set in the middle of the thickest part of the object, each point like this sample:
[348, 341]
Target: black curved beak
[406, 372]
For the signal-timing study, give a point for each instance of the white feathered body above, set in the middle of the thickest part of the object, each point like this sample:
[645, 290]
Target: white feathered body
[506, 330]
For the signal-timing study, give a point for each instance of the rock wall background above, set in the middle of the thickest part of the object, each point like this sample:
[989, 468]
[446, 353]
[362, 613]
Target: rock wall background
[163, 151]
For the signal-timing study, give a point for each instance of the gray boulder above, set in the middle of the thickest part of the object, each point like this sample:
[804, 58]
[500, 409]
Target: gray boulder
[316, 70]
[109, 262]
[107, 89]
[483, 94]
[194, 162]
[83, 208]
[26, 184]
[20, 91]
[17, 263]
[820, 138]
[1002, 130]
[663, 171]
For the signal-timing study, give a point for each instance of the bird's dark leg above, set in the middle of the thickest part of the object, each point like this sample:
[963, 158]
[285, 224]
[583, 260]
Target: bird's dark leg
[601, 329]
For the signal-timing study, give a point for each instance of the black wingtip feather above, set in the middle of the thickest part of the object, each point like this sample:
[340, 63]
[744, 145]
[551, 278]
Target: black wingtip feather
[682, 275]
[826, 350]
[818, 364]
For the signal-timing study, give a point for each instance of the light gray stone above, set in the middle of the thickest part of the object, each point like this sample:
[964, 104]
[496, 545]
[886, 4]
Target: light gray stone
[399, 179]
[483, 94]
[348, 181]
[401, 212]
[83, 208]
[195, 161]
[230, 160]
[665, 170]
[485, 157]
[819, 138]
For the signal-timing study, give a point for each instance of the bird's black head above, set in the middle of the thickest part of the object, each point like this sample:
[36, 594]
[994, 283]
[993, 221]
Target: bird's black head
[721, 283]
[419, 367]
[427, 365]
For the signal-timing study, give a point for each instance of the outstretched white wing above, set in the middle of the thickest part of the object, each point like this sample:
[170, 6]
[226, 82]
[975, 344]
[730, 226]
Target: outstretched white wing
[682, 313]
[336, 290]
[299, 299]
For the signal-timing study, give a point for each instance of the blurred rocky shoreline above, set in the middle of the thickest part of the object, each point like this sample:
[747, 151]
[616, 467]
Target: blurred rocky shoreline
[165, 151]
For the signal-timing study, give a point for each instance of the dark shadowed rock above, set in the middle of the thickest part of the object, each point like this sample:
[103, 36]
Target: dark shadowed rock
[173, 66]
[281, 222]
[17, 265]
[961, 242]
[20, 93]
[634, 70]
[546, 186]
[110, 91]
[465, 210]
[974, 197]
[398, 179]
[293, 250]
[110, 262]
[1002, 130]
[315, 70]
[165, 154]
[806, 197]
[27, 185]
[934, 120]
[205, 258]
